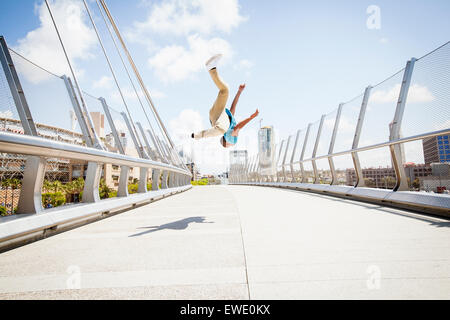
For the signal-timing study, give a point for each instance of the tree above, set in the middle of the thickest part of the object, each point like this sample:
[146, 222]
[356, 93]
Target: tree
[104, 190]
[57, 186]
[416, 183]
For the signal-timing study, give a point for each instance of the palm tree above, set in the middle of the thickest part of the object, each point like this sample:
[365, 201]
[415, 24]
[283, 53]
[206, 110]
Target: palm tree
[46, 186]
[104, 190]
[57, 186]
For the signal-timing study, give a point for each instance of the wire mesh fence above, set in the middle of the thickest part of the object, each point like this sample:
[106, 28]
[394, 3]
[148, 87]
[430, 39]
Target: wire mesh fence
[49, 101]
[424, 164]
[308, 169]
[323, 147]
[9, 118]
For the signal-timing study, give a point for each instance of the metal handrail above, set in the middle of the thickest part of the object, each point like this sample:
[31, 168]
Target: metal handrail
[36, 146]
[380, 145]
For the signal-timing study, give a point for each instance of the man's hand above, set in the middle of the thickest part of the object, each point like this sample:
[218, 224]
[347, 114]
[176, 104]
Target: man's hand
[255, 114]
[242, 87]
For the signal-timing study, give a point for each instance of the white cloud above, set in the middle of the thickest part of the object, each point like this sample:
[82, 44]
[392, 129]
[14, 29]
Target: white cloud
[176, 63]
[417, 94]
[42, 46]
[187, 122]
[103, 83]
[385, 96]
[243, 64]
[178, 17]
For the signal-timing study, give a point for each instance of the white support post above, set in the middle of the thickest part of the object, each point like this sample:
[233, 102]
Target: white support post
[30, 200]
[91, 185]
[316, 145]
[334, 179]
[302, 156]
[396, 150]
[359, 174]
[284, 158]
[291, 163]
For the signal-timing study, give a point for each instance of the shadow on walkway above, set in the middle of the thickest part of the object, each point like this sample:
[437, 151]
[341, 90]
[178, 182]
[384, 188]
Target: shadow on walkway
[176, 225]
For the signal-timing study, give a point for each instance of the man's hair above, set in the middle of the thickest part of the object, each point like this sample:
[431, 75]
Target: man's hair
[222, 142]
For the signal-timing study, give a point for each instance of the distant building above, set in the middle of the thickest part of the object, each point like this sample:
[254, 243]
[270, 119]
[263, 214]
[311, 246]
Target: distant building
[436, 149]
[98, 120]
[374, 177]
[266, 149]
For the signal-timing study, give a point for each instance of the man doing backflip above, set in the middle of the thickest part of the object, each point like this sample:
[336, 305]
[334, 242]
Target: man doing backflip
[222, 119]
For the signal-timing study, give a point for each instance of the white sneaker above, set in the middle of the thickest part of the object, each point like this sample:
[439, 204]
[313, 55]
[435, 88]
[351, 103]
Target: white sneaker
[212, 62]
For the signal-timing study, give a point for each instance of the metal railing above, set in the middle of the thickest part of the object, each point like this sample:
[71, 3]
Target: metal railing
[124, 143]
[384, 135]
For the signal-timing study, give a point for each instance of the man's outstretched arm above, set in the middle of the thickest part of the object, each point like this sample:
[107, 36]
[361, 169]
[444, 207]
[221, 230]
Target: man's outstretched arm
[243, 123]
[236, 98]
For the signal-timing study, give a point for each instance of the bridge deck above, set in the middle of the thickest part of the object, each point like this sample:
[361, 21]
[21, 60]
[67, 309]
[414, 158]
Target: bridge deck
[237, 242]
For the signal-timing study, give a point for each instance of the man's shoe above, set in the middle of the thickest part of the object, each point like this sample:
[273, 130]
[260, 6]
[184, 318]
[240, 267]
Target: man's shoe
[212, 62]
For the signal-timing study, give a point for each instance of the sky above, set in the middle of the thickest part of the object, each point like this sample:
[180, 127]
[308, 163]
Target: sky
[299, 59]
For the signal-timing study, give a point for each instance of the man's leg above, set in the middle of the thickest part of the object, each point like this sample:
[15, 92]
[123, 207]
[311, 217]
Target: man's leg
[220, 103]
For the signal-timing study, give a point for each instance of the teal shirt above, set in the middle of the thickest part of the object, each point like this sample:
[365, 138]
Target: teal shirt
[227, 136]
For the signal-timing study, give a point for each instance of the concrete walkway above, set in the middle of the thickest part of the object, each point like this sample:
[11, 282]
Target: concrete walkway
[237, 242]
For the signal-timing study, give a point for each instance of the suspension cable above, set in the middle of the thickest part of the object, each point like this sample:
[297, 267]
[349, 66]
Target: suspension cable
[129, 75]
[111, 69]
[94, 138]
[138, 76]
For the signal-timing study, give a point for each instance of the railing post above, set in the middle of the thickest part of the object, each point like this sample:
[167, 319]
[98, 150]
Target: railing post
[359, 174]
[144, 137]
[316, 145]
[91, 185]
[253, 169]
[284, 159]
[334, 179]
[248, 170]
[112, 125]
[138, 146]
[155, 144]
[302, 169]
[164, 184]
[124, 170]
[278, 158]
[171, 180]
[143, 178]
[395, 132]
[123, 181]
[16, 89]
[155, 179]
[78, 112]
[30, 200]
[294, 150]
